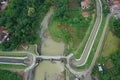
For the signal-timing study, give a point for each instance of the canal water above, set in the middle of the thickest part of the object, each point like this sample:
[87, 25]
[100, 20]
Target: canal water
[47, 70]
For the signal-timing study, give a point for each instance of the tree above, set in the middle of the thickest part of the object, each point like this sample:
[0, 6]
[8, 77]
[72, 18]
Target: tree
[22, 18]
[116, 27]
[49, 2]
[116, 60]
[31, 11]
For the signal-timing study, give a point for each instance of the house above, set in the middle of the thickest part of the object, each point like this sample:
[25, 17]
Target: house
[3, 34]
[100, 68]
[114, 4]
[85, 4]
[85, 14]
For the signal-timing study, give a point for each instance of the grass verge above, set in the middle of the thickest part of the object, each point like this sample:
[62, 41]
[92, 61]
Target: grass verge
[85, 39]
[13, 54]
[10, 66]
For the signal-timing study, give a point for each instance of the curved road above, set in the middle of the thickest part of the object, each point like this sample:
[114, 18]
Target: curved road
[86, 52]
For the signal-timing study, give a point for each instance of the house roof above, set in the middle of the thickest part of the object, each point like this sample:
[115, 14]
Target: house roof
[85, 3]
[85, 14]
[116, 4]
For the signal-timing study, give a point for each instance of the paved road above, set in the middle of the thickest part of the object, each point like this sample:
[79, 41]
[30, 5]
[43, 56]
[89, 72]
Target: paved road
[18, 60]
[11, 60]
[86, 52]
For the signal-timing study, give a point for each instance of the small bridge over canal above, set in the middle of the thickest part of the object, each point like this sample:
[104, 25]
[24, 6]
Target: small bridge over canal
[51, 58]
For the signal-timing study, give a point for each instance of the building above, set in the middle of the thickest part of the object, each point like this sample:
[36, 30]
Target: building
[85, 14]
[114, 4]
[100, 68]
[85, 4]
[3, 34]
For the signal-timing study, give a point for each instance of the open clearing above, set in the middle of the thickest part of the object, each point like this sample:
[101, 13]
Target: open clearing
[111, 44]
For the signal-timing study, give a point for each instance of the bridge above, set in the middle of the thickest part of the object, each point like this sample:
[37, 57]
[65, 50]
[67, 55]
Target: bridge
[51, 58]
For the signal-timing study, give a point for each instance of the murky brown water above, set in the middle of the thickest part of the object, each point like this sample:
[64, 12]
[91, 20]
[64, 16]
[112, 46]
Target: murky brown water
[52, 48]
[49, 71]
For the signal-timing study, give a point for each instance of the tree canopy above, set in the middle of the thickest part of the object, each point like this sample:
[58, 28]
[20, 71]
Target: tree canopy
[22, 18]
[113, 73]
[116, 27]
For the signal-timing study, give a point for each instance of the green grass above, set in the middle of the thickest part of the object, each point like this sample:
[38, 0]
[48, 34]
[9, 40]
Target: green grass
[111, 45]
[111, 22]
[32, 48]
[78, 35]
[13, 54]
[10, 66]
[85, 39]
[92, 53]
[55, 31]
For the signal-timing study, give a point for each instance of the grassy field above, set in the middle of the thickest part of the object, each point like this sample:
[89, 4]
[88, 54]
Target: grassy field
[111, 44]
[55, 31]
[13, 54]
[31, 48]
[10, 66]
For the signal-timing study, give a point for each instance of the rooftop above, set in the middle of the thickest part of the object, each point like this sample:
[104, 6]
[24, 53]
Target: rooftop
[85, 14]
[115, 4]
[85, 3]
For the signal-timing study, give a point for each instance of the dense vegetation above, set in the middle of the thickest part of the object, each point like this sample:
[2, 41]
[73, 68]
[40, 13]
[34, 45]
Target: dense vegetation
[112, 73]
[105, 6]
[66, 14]
[110, 56]
[7, 75]
[116, 27]
[68, 24]
[22, 19]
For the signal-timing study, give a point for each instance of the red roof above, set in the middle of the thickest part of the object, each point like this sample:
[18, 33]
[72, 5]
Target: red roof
[116, 2]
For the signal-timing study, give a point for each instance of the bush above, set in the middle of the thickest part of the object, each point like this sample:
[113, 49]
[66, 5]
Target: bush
[7, 75]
